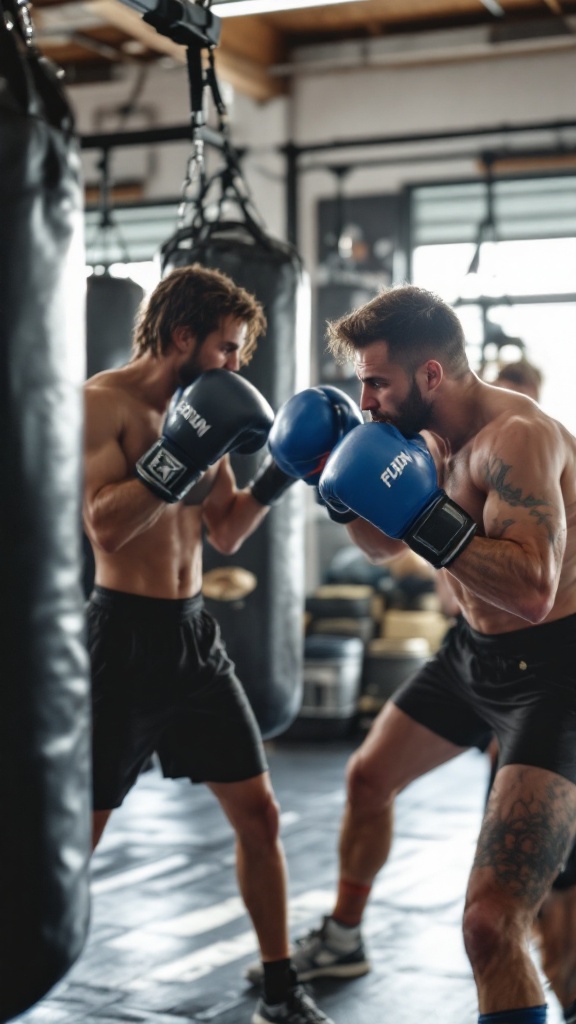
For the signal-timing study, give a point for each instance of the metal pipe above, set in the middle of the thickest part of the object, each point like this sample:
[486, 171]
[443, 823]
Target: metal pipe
[150, 136]
[460, 133]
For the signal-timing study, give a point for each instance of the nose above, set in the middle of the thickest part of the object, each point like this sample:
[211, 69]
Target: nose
[233, 362]
[367, 401]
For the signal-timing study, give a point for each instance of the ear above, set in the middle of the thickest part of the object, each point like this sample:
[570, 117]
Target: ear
[183, 339]
[433, 374]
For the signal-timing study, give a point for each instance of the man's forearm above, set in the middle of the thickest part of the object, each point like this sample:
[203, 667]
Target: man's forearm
[120, 512]
[377, 547]
[507, 576]
[229, 525]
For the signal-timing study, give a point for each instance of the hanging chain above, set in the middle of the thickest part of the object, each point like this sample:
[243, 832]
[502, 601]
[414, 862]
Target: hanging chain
[25, 15]
[194, 177]
[20, 11]
[196, 185]
[233, 177]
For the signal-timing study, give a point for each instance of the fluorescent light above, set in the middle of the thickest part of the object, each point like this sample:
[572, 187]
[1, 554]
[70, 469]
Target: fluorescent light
[235, 8]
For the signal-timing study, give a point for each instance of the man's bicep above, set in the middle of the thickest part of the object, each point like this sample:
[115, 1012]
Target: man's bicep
[524, 501]
[103, 465]
[104, 460]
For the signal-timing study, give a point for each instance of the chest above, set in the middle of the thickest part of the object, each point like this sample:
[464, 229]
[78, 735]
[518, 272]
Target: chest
[458, 475]
[139, 432]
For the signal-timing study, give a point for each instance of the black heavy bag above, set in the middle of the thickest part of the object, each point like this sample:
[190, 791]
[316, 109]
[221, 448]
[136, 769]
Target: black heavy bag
[111, 307]
[44, 684]
[263, 630]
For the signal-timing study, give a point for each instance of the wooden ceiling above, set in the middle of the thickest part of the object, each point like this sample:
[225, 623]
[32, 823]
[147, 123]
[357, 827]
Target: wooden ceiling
[92, 39]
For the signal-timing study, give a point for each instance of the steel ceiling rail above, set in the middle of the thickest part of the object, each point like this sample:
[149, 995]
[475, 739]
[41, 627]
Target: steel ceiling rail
[293, 152]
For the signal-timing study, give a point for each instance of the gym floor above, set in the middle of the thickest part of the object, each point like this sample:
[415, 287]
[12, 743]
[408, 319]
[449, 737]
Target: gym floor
[169, 936]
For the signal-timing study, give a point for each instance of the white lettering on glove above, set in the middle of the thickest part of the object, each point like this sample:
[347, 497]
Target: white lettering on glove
[196, 421]
[396, 468]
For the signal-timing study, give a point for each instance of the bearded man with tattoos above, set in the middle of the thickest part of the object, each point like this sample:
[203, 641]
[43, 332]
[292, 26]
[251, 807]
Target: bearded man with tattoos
[483, 484]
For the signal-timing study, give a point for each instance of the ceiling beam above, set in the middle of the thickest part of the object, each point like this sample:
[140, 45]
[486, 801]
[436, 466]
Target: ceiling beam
[247, 77]
[493, 8]
[241, 70]
[128, 21]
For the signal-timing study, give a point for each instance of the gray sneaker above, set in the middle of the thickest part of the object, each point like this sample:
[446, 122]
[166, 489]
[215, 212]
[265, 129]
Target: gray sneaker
[299, 1008]
[313, 957]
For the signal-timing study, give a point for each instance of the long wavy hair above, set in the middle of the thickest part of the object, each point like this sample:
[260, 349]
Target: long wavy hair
[197, 298]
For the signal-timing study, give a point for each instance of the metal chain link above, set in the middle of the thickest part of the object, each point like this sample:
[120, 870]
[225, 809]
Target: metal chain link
[194, 176]
[18, 15]
[25, 18]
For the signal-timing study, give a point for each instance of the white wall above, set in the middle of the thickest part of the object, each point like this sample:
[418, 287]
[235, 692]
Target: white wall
[164, 100]
[412, 100]
[335, 105]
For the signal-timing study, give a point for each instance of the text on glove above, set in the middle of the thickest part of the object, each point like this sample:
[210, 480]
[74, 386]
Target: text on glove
[196, 421]
[396, 468]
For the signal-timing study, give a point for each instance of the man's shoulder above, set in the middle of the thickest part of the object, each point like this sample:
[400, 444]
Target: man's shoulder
[525, 432]
[107, 404]
[109, 390]
[105, 381]
[516, 416]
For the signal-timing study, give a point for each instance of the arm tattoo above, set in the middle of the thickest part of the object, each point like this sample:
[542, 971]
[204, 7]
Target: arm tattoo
[496, 473]
[498, 529]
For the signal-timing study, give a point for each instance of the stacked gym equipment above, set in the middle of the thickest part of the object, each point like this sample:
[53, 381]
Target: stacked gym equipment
[361, 642]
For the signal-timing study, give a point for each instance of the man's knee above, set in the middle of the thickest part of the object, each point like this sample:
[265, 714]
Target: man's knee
[259, 825]
[366, 789]
[492, 927]
[480, 931]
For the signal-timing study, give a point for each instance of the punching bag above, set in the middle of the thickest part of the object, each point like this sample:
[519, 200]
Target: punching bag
[45, 791]
[263, 629]
[111, 307]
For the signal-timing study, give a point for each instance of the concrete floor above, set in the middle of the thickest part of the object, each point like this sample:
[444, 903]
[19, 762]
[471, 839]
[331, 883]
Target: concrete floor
[169, 936]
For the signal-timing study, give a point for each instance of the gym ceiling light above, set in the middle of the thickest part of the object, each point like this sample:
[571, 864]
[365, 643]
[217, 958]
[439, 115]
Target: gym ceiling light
[235, 8]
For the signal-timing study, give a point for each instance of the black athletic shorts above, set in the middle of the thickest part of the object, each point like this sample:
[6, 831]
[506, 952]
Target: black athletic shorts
[521, 685]
[162, 682]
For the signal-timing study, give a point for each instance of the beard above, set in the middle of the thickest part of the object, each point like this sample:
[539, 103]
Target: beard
[414, 413]
[190, 370]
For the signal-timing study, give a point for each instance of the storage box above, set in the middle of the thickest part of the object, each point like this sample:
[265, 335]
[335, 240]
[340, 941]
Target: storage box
[403, 625]
[332, 675]
[387, 664]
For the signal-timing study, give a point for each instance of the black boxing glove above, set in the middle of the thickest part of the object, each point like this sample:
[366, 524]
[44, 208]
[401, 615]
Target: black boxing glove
[342, 515]
[219, 412]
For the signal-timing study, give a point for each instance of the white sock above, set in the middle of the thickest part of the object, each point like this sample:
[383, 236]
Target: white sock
[342, 937]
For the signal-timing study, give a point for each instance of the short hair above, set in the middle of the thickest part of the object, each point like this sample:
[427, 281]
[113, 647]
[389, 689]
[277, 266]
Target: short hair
[523, 373]
[198, 298]
[415, 323]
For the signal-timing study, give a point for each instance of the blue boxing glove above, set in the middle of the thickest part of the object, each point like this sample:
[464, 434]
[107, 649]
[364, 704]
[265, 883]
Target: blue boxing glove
[308, 426]
[390, 480]
[306, 429]
[219, 412]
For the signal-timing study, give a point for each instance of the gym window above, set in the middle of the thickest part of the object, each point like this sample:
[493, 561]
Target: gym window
[526, 281]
